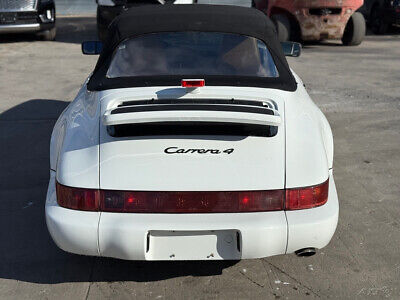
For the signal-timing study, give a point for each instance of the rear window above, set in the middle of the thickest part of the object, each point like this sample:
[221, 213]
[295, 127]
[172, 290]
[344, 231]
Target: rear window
[192, 53]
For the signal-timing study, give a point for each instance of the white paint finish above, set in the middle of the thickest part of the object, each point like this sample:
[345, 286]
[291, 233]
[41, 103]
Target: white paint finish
[79, 167]
[324, 127]
[190, 116]
[56, 141]
[306, 158]
[314, 227]
[123, 235]
[131, 163]
[327, 138]
[142, 164]
[257, 163]
[182, 1]
[111, 98]
[72, 230]
[193, 245]
[74, 150]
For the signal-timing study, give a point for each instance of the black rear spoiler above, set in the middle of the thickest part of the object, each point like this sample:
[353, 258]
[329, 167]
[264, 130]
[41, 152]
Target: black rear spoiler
[192, 116]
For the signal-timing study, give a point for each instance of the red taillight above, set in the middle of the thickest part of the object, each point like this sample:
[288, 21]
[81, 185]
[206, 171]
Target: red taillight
[78, 198]
[308, 197]
[193, 83]
[191, 202]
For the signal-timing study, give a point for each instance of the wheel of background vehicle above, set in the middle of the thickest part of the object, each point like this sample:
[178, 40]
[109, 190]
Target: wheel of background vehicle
[282, 24]
[49, 35]
[378, 26]
[354, 32]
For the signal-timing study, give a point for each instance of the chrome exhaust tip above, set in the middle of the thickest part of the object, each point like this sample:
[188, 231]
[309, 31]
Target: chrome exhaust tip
[306, 252]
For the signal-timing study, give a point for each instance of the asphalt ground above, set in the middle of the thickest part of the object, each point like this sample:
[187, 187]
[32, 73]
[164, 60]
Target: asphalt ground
[357, 87]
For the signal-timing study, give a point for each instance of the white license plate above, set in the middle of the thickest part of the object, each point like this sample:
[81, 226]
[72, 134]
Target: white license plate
[193, 245]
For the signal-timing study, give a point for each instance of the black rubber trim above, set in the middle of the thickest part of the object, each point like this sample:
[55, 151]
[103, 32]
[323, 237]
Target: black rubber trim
[193, 101]
[98, 82]
[191, 129]
[202, 107]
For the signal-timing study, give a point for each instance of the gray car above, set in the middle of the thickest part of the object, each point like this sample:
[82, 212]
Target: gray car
[28, 16]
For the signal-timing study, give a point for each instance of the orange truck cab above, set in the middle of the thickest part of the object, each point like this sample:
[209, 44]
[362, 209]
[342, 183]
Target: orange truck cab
[314, 20]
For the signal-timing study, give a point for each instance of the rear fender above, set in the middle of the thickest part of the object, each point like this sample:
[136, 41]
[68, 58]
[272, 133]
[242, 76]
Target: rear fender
[74, 146]
[323, 124]
[309, 143]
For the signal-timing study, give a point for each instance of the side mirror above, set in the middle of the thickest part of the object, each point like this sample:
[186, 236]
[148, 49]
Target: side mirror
[92, 47]
[291, 49]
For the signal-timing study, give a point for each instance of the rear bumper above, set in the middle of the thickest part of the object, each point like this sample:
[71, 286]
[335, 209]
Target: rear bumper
[130, 236]
[15, 28]
[25, 28]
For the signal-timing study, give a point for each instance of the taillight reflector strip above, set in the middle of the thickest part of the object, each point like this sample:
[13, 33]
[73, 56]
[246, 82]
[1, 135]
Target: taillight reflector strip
[169, 202]
[191, 202]
[308, 197]
[78, 198]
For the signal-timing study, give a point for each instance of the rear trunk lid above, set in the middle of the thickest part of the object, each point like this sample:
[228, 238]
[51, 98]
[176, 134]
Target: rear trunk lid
[211, 157]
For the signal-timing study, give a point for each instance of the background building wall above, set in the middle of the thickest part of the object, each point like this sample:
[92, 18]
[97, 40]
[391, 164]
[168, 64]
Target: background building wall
[85, 7]
[75, 7]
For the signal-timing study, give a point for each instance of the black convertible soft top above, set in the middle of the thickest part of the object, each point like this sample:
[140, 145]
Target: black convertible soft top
[179, 18]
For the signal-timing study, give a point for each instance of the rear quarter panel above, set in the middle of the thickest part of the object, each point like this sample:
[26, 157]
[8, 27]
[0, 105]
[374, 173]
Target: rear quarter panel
[74, 145]
[309, 141]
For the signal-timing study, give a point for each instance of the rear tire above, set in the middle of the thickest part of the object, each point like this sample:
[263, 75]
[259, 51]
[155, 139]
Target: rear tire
[283, 27]
[354, 32]
[49, 35]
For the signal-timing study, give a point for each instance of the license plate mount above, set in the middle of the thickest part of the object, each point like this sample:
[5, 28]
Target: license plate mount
[193, 245]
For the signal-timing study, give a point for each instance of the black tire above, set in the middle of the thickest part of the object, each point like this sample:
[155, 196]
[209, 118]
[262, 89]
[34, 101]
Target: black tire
[283, 28]
[354, 32]
[376, 22]
[49, 35]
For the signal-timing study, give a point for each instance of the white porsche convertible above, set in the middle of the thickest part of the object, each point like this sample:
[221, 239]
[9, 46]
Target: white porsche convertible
[191, 140]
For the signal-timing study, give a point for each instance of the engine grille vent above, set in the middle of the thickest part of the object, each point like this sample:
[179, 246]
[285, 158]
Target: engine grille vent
[265, 104]
[17, 5]
[195, 127]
